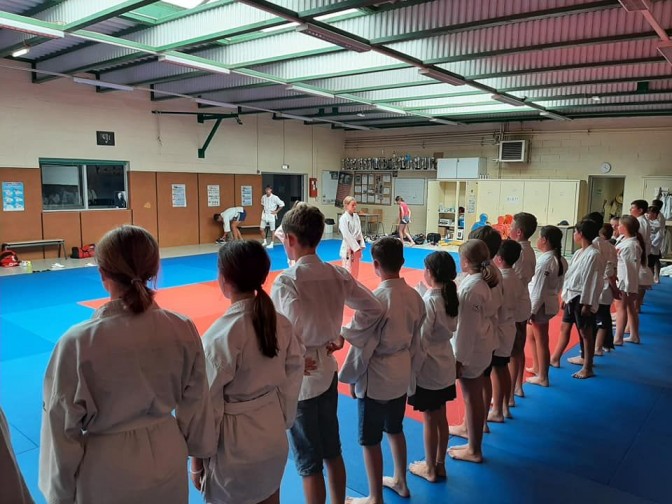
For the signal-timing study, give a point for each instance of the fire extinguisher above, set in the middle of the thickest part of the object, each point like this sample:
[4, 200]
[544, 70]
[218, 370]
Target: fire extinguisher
[312, 191]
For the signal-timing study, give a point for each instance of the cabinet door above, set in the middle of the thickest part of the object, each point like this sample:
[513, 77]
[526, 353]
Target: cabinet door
[434, 199]
[487, 199]
[535, 200]
[446, 169]
[467, 168]
[511, 197]
[563, 202]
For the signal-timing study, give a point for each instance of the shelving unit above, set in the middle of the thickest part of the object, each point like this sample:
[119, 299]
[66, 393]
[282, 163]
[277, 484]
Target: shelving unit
[451, 194]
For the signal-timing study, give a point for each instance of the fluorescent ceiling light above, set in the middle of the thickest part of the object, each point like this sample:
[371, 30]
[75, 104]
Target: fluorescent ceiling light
[635, 5]
[203, 101]
[354, 126]
[279, 27]
[333, 38]
[552, 115]
[596, 98]
[187, 4]
[103, 84]
[311, 91]
[443, 121]
[665, 50]
[297, 117]
[442, 76]
[336, 14]
[509, 100]
[198, 63]
[386, 108]
[21, 52]
[31, 28]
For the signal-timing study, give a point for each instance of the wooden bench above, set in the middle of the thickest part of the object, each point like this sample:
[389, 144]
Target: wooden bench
[59, 242]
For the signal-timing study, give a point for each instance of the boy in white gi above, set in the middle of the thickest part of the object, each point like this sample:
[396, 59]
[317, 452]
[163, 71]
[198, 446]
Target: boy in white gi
[604, 340]
[524, 226]
[513, 289]
[379, 373]
[581, 292]
[312, 295]
[272, 205]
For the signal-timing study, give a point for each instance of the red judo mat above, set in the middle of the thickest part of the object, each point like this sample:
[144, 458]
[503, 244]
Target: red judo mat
[204, 303]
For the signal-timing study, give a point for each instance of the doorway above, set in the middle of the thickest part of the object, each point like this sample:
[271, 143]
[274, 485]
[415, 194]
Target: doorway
[289, 188]
[606, 195]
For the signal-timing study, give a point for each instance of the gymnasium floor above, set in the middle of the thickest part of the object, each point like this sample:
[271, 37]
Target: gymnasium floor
[600, 440]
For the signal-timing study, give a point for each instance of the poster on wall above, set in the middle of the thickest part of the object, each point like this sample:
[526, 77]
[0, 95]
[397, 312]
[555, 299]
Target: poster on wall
[179, 195]
[213, 196]
[344, 188]
[13, 197]
[246, 195]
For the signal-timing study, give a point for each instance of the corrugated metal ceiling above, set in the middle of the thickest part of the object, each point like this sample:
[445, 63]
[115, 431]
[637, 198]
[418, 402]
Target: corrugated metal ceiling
[555, 55]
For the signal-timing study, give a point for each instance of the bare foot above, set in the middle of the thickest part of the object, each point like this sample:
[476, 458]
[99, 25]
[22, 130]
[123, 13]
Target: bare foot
[495, 416]
[422, 470]
[518, 392]
[399, 487]
[507, 413]
[583, 374]
[512, 402]
[599, 352]
[555, 363]
[531, 371]
[486, 428]
[618, 342]
[441, 470]
[361, 500]
[631, 340]
[464, 453]
[577, 361]
[536, 380]
[458, 430]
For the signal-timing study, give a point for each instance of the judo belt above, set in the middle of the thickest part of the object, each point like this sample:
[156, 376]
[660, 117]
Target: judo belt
[142, 423]
[240, 408]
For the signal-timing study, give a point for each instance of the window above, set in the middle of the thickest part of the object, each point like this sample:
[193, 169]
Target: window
[83, 185]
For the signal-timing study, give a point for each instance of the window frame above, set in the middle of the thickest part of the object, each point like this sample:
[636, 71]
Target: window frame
[82, 165]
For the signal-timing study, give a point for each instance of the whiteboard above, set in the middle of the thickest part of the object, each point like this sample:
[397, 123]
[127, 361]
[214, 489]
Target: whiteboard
[411, 189]
[329, 187]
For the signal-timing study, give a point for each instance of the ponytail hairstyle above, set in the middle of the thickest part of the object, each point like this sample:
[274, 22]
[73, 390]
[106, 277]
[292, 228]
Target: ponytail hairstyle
[631, 224]
[553, 236]
[477, 256]
[129, 256]
[441, 266]
[245, 265]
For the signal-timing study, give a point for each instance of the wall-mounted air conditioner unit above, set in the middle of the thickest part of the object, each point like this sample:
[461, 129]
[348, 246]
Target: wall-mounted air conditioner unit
[513, 151]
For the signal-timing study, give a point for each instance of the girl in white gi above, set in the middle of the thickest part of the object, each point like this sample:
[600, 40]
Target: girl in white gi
[108, 432]
[581, 296]
[473, 342]
[631, 255]
[638, 210]
[353, 239]
[435, 381]
[255, 368]
[544, 290]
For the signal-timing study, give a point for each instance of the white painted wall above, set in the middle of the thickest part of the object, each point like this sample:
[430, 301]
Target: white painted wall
[59, 119]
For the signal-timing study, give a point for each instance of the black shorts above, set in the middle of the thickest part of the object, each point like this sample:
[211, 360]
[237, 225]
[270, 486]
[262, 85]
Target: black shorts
[500, 361]
[314, 435]
[521, 338]
[572, 315]
[603, 321]
[431, 400]
[376, 417]
[654, 260]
